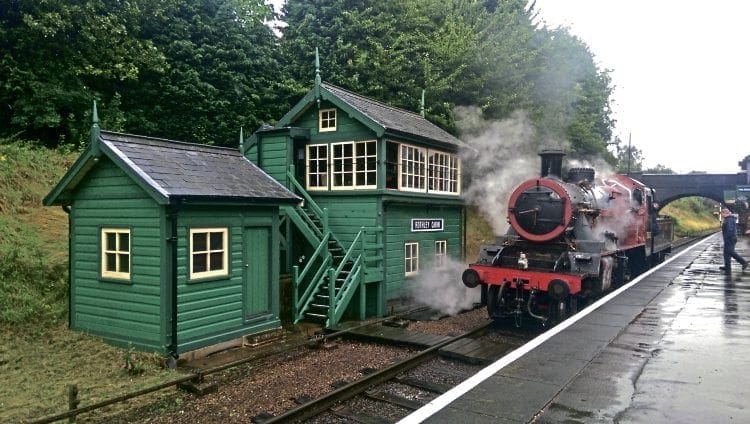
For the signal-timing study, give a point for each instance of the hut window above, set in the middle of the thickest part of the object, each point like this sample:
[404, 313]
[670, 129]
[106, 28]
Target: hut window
[443, 169]
[411, 258]
[317, 166]
[354, 165]
[327, 120]
[412, 175]
[208, 253]
[441, 253]
[115, 250]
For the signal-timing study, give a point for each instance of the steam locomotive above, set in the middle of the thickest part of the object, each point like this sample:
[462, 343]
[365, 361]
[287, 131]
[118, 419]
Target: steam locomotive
[569, 241]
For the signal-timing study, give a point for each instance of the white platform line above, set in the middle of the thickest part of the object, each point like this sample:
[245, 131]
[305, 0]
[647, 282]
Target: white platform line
[448, 397]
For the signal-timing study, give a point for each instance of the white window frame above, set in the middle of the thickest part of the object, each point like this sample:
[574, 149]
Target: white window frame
[349, 165]
[327, 120]
[209, 273]
[118, 251]
[411, 258]
[320, 174]
[443, 172]
[412, 170]
[441, 253]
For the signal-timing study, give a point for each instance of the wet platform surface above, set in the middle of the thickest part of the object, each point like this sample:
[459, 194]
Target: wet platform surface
[674, 347]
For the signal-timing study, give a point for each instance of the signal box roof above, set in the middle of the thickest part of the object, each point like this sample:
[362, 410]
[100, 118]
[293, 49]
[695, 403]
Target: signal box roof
[169, 169]
[380, 117]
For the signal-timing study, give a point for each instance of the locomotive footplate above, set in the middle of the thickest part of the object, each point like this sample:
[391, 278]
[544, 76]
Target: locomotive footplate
[539, 280]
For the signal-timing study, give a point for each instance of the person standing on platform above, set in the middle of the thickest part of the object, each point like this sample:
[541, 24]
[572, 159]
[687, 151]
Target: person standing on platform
[729, 232]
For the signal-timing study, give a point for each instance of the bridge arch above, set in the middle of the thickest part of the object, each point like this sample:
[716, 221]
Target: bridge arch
[670, 187]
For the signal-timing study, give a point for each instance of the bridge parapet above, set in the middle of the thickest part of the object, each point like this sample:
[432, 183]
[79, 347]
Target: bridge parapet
[670, 187]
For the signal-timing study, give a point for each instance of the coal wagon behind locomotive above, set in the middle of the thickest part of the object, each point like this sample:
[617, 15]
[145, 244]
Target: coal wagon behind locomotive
[569, 241]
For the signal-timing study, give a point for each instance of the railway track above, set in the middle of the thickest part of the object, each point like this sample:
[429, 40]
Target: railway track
[198, 376]
[362, 390]
[393, 392]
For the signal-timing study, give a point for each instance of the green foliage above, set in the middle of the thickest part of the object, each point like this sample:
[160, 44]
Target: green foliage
[692, 215]
[486, 54]
[629, 158]
[222, 73]
[57, 55]
[659, 169]
[197, 70]
[33, 240]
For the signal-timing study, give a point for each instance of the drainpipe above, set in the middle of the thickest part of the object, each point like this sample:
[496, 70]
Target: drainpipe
[174, 209]
[67, 209]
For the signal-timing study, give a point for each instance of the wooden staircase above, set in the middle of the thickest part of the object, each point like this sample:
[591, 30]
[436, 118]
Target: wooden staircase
[324, 288]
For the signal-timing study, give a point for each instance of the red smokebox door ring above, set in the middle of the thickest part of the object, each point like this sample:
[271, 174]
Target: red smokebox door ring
[555, 187]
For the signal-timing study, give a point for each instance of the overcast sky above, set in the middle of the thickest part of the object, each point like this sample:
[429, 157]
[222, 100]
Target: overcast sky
[681, 74]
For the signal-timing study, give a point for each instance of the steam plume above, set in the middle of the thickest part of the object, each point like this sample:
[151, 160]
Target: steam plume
[499, 156]
[442, 289]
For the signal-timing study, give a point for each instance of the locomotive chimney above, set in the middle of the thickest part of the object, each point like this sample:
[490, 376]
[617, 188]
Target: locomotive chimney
[552, 163]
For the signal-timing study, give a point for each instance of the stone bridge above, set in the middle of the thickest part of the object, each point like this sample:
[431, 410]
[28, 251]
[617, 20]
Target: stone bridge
[671, 187]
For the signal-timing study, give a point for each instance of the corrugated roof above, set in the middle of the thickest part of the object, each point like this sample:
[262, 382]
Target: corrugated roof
[192, 170]
[392, 118]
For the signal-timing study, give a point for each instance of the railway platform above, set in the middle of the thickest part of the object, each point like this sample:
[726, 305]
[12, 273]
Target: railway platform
[670, 346]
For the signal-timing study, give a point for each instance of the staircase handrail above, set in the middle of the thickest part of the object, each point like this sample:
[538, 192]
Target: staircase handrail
[348, 287]
[309, 202]
[301, 303]
[317, 253]
[302, 221]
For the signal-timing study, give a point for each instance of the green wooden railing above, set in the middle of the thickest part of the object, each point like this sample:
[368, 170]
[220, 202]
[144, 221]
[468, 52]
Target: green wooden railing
[320, 268]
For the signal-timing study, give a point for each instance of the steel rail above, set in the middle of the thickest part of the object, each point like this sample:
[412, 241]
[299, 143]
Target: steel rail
[198, 376]
[357, 387]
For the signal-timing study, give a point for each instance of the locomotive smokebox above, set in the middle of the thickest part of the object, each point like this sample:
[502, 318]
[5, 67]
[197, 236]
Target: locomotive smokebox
[552, 163]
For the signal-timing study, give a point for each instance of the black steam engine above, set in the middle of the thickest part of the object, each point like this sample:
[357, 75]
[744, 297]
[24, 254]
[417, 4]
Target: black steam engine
[569, 241]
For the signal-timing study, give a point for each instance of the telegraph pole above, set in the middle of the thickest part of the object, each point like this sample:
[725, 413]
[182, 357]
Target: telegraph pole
[630, 152]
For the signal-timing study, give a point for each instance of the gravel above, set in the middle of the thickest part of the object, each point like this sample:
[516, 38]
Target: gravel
[271, 385]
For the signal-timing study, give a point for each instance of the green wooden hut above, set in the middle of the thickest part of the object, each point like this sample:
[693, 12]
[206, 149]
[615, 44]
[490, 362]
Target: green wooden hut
[173, 246]
[382, 200]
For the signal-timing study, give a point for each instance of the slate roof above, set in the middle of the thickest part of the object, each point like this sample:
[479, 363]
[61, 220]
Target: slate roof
[392, 118]
[192, 170]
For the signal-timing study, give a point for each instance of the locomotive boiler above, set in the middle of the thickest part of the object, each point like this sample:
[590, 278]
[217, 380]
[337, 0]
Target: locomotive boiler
[569, 241]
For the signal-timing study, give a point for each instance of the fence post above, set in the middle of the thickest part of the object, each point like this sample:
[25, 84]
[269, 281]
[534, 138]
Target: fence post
[72, 401]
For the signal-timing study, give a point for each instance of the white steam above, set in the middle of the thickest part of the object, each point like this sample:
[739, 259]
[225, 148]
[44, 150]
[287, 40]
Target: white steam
[499, 156]
[442, 289]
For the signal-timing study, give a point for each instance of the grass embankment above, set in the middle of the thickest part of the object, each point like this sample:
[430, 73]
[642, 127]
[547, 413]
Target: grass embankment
[692, 215]
[39, 356]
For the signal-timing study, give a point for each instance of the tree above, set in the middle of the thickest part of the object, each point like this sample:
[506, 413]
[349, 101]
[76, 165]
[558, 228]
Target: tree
[659, 169]
[222, 72]
[485, 54]
[629, 158]
[56, 56]
[389, 50]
